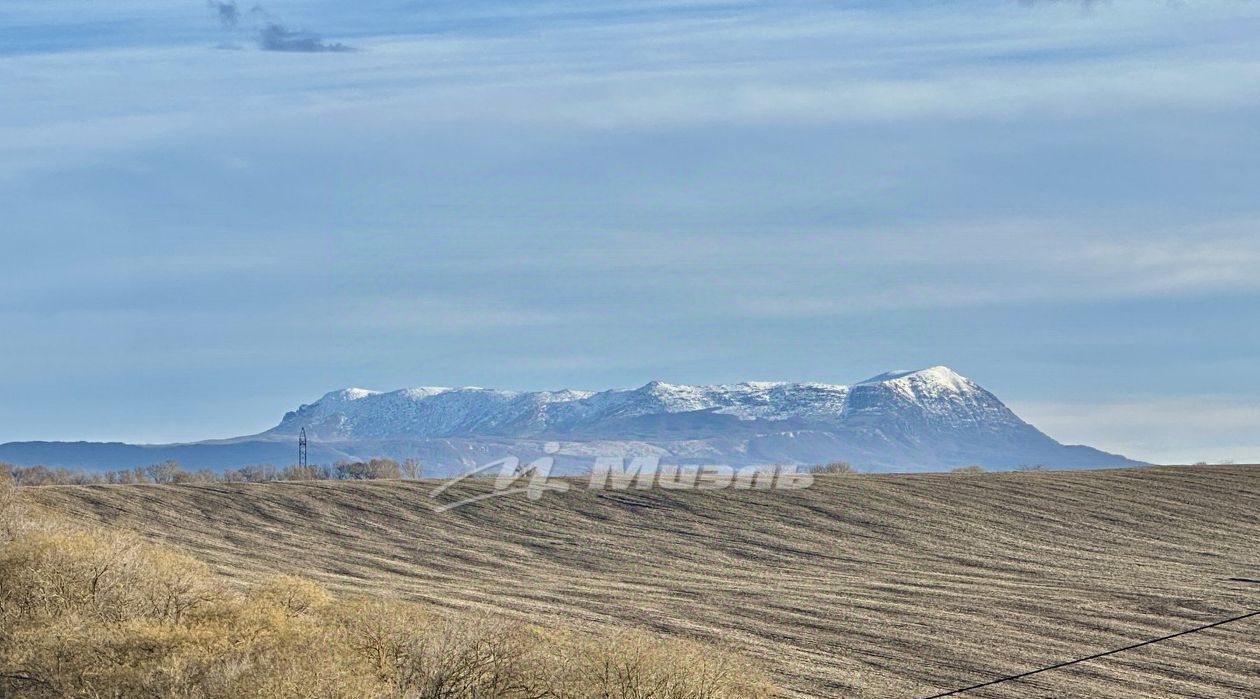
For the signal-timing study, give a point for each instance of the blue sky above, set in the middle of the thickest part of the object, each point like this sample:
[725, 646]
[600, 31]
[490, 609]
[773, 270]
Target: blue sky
[1056, 199]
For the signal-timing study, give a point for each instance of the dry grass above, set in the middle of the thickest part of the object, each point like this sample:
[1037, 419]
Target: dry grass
[862, 586]
[93, 612]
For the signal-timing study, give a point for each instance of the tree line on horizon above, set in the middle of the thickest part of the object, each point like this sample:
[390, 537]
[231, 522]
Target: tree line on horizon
[170, 472]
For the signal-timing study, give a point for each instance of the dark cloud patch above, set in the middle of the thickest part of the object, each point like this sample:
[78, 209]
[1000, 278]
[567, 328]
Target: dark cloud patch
[272, 35]
[228, 13]
[276, 37]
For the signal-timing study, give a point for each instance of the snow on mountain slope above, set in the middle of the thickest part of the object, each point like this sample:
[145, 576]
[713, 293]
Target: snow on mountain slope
[923, 420]
[925, 401]
[445, 412]
[936, 394]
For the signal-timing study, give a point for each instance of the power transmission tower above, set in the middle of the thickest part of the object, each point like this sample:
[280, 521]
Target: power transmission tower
[302, 449]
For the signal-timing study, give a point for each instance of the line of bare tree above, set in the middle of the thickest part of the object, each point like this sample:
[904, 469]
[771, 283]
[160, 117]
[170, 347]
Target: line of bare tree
[171, 472]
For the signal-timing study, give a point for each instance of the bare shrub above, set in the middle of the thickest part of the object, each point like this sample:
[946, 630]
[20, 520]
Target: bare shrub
[412, 469]
[274, 651]
[291, 594]
[94, 613]
[306, 473]
[129, 476]
[257, 473]
[41, 475]
[835, 467]
[164, 473]
[91, 658]
[634, 664]
[171, 473]
[20, 518]
[97, 574]
[12, 509]
[375, 469]
[380, 634]
[236, 651]
[204, 475]
[419, 654]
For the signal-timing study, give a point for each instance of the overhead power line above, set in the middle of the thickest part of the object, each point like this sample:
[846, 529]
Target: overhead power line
[1056, 666]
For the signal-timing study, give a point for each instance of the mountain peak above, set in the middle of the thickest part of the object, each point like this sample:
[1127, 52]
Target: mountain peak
[939, 374]
[348, 394]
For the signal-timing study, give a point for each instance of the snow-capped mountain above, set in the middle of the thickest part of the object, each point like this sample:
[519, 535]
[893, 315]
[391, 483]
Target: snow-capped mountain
[462, 412]
[937, 394]
[917, 420]
[922, 420]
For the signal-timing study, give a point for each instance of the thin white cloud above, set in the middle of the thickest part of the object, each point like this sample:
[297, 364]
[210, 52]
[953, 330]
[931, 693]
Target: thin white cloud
[840, 67]
[999, 264]
[437, 314]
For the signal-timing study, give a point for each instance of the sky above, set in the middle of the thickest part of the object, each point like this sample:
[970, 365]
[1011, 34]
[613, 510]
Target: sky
[211, 213]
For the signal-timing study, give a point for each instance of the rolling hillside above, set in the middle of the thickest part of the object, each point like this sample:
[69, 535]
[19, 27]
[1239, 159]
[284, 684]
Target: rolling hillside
[862, 586]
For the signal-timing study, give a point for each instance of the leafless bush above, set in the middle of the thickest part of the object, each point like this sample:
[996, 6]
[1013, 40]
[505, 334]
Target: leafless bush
[12, 508]
[375, 469]
[164, 473]
[204, 475]
[96, 574]
[171, 473]
[254, 473]
[835, 467]
[43, 475]
[292, 595]
[306, 473]
[232, 650]
[633, 664]
[419, 654]
[126, 476]
[412, 469]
